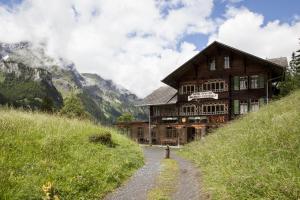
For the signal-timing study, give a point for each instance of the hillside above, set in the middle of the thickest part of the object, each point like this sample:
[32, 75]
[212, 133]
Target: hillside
[255, 157]
[103, 99]
[37, 148]
[25, 86]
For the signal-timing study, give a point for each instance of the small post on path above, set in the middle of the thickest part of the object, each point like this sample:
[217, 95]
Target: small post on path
[167, 152]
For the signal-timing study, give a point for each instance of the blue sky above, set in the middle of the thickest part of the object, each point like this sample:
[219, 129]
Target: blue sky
[151, 37]
[283, 10]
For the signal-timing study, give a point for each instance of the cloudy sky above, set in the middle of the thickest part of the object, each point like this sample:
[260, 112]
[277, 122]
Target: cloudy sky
[136, 43]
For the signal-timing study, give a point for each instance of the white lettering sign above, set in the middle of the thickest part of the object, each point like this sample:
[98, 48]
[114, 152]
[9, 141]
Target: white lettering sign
[203, 95]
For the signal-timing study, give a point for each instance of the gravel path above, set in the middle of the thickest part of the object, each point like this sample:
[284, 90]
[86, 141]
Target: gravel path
[143, 180]
[188, 186]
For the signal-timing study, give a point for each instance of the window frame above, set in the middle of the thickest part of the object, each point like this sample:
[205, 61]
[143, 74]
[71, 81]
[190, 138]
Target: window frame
[244, 107]
[226, 62]
[188, 89]
[254, 102]
[211, 109]
[212, 86]
[254, 81]
[171, 132]
[212, 65]
[244, 80]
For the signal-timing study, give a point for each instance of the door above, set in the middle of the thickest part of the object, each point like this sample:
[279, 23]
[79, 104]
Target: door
[191, 133]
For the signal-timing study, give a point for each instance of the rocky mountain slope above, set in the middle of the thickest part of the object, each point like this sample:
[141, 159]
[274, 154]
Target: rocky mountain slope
[21, 85]
[103, 99]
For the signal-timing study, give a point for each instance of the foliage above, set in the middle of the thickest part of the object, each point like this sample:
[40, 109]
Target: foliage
[125, 117]
[39, 148]
[167, 178]
[292, 76]
[73, 107]
[255, 157]
[47, 105]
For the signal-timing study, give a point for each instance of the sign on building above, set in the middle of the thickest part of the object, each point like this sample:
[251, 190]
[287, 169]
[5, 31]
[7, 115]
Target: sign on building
[203, 95]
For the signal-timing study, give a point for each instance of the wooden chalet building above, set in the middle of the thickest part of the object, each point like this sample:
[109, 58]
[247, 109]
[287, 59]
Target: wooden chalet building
[217, 85]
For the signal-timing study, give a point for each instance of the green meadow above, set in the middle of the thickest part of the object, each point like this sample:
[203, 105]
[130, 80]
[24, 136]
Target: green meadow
[40, 151]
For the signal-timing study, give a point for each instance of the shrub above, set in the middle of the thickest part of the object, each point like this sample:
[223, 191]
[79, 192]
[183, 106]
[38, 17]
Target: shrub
[104, 139]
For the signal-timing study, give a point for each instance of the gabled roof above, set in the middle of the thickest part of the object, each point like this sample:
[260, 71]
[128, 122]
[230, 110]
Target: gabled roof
[161, 96]
[277, 64]
[282, 61]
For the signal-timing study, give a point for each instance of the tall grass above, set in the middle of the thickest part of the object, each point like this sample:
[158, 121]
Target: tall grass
[36, 149]
[255, 157]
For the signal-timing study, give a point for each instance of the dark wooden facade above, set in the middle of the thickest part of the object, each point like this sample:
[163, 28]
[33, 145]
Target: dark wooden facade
[242, 81]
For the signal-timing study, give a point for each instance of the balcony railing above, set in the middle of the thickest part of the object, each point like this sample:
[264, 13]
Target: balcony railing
[191, 114]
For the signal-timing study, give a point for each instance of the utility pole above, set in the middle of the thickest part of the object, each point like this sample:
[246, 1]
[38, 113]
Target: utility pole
[150, 133]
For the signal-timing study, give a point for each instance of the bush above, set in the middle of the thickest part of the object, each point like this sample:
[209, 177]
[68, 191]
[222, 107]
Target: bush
[104, 139]
[73, 108]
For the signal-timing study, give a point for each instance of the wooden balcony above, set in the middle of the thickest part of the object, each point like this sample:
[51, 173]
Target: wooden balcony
[181, 114]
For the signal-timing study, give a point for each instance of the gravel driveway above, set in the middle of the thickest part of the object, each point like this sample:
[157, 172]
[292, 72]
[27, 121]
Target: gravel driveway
[143, 180]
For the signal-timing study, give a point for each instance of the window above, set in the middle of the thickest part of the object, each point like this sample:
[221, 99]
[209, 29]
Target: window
[212, 109]
[254, 81]
[189, 110]
[188, 89]
[226, 62]
[215, 86]
[167, 110]
[140, 132]
[243, 83]
[171, 132]
[243, 107]
[254, 105]
[212, 65]
[257, 81]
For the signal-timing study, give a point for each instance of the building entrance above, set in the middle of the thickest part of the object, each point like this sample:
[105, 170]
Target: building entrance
[191, 134]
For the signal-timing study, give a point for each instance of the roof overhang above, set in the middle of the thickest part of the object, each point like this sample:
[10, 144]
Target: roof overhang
[173, 78]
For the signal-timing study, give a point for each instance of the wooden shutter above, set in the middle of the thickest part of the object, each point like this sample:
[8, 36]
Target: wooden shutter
[236, 83]
[236, 107]
[261, 81]
[261, 102]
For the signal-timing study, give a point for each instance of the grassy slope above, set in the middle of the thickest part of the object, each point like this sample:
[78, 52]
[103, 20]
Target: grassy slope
[37, 148]
[255, 157]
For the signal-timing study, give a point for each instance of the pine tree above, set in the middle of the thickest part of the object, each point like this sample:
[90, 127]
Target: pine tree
[292, 77]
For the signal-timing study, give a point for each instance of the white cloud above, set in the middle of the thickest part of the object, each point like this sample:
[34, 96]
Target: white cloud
[246, 30]
[232, 1]
[131, 42]
[137, 43]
